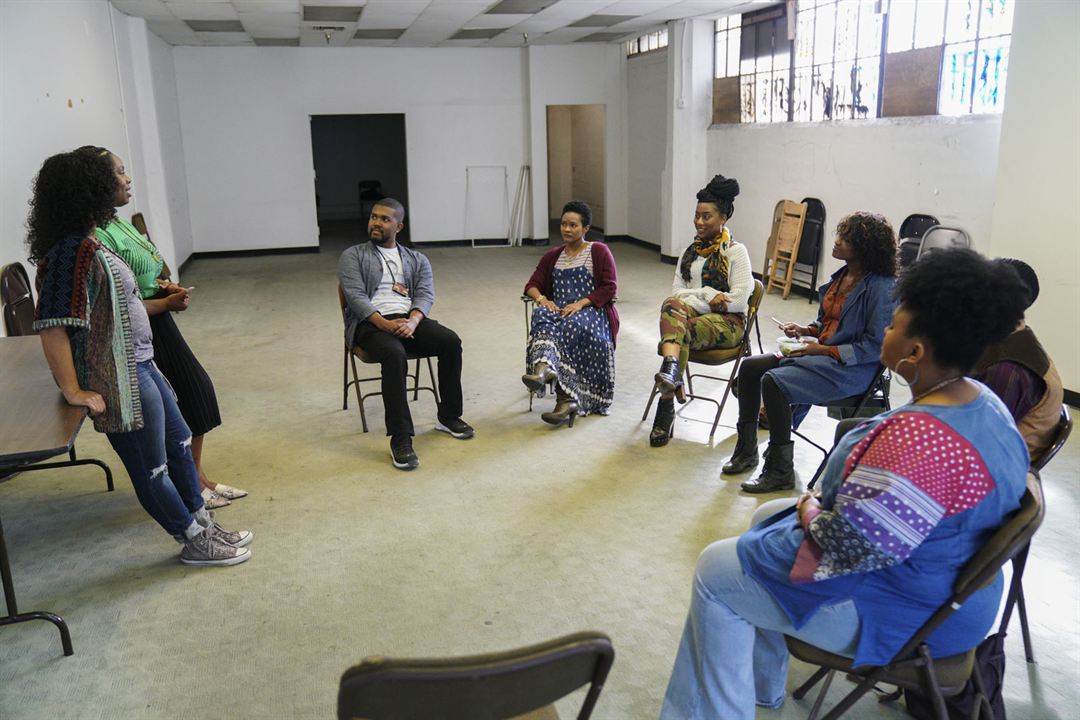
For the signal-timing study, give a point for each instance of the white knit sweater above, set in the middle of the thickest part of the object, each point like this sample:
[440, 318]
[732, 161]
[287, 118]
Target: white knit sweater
[740, 282]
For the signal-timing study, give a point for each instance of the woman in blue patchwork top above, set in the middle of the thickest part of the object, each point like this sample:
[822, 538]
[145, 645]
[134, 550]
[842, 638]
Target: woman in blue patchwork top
[907, 498]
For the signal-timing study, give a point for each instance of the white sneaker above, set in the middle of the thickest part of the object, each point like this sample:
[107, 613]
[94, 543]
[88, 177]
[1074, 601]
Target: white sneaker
[207, 548]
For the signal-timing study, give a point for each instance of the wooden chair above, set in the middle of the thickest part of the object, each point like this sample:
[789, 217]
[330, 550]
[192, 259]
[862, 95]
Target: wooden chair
[913, 666]
[714, 358]
[1064, 428]
[782, 250]
[494, 686]
[356, 352]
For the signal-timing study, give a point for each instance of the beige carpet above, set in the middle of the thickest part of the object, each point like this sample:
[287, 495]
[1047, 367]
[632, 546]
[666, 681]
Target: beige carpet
[521, 534]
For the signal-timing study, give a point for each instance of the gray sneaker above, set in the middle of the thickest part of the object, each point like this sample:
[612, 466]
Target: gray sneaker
[207, 548]
[238, 538]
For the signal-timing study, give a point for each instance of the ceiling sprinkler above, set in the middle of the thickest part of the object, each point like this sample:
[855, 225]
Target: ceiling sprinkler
[328, 30]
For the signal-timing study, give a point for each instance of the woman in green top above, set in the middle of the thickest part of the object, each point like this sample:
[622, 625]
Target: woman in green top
[162, 297]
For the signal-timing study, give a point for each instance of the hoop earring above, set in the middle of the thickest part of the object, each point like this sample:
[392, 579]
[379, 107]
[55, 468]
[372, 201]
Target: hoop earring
[906, 384]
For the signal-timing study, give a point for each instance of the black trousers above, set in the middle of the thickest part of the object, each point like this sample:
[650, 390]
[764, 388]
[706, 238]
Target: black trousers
[429, 338]
[757, 389]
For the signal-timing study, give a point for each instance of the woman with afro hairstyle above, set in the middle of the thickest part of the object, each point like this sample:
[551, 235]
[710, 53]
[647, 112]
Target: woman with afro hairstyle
[96, 337]
[838, 360]
[709, 298]
[907, 498]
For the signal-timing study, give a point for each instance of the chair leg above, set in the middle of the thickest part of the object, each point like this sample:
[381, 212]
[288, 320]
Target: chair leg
[801, 691]
[644, 415]
[852, 697]
[416, 380]
[434, 383]
[817, 473]
[359, 394]
[345, 380]
[1021, 609]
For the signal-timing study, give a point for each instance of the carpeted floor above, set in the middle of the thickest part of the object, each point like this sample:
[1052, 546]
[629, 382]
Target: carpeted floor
[519, 535]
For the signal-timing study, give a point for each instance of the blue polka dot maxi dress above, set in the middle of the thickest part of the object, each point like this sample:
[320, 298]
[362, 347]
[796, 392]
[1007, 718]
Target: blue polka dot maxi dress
[579, 349]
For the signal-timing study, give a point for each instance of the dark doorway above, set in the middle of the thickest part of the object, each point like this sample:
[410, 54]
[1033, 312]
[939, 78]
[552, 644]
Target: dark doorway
[358, 159]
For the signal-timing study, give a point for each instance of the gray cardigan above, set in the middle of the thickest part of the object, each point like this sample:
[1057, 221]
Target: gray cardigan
[360, 271]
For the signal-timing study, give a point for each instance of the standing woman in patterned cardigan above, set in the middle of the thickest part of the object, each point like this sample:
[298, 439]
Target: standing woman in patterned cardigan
[96, 337]
[194, 390]
[906, 500]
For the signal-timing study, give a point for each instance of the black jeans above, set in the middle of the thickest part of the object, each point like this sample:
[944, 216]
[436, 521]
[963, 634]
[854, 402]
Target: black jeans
[429, 338]
[755, 388]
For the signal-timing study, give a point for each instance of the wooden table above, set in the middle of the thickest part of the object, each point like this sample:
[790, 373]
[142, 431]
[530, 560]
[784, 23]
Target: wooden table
[36, 423]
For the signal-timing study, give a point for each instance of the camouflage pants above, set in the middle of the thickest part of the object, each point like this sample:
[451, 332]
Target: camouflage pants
[690, 330]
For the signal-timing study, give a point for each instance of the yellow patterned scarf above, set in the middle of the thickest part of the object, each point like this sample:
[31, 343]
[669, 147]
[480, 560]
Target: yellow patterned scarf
[715, 272]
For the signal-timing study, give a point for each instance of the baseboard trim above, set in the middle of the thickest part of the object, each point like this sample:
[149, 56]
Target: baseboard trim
[208, 255]
[1072, 398]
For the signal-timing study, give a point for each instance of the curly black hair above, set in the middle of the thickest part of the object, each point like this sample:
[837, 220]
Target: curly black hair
[577, 206]
[73, 194]
[960, 302]
[873, 240]
[721, 192]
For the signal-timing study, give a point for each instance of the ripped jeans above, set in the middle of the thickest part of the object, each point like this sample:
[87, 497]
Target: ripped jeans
[158, 457]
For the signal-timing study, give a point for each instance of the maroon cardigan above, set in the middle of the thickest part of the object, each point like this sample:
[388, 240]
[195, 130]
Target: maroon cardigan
[605, 279]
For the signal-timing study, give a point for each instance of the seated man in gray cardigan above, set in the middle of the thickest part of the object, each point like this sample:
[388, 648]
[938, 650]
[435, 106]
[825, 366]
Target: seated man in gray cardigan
[389, 292]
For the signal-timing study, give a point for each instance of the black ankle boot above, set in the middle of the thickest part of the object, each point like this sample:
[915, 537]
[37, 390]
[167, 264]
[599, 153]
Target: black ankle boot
[779, 472]
[566, 409]
[663, 425]
[746, 454]
[668, 379]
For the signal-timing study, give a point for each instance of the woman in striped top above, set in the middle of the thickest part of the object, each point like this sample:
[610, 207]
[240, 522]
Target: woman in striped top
[162, 297]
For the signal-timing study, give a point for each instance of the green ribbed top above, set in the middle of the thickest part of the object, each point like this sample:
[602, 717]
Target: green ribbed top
[138, 252]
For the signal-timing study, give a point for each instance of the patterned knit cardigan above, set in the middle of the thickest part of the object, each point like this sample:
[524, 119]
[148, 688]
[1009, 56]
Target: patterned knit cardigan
[79, 289]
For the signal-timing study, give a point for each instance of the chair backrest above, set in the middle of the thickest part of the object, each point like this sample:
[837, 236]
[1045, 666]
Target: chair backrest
[788, 217]
[1007, 541]
[140, 224]
[1064, 428]
[752, 308]
[18, 300]
[915, 226]
[479, 687]
[813, 232]
[940, 237]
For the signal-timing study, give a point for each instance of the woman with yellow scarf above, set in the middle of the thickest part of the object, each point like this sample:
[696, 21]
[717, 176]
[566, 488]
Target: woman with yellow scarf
[707, 307]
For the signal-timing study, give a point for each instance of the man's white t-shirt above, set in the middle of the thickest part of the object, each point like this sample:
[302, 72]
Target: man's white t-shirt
[386, 301]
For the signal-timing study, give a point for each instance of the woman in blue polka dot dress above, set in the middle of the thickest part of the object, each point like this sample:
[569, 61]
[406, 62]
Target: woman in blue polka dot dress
[574, 324]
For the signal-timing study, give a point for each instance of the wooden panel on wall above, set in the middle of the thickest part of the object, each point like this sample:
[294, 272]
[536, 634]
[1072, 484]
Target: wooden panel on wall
[910, 83]
[726, 108]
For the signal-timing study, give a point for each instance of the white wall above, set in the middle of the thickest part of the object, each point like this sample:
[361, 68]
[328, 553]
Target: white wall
[689, 97]
[579, 75]
[247, 143]
[1038, 183]
[647, 78]
[58, 90]
[945, 167]
[96, 78]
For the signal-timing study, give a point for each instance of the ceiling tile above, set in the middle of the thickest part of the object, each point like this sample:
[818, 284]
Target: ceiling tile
[322, 13]
[190, 10]
[231, 39]
[496, 21]
[520, 6]
[601, 20]
[372, 43]
[267, 6]
[378, 34]
[271, 31]
[149, 9]
[477, 34]
[270, 20]
[602, 37]
[277, 42]
[218, 26]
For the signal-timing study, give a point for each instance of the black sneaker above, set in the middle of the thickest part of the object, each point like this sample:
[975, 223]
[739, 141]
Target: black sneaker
[457, 427]
[402, 453]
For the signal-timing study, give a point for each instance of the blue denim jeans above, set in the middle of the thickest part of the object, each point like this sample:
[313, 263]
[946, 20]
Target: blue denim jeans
[732, 655]
[158, 457]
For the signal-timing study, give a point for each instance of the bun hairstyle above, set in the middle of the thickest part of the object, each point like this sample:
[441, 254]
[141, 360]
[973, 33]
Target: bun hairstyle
[721, 192]
[961, 302]
[1027, 276]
